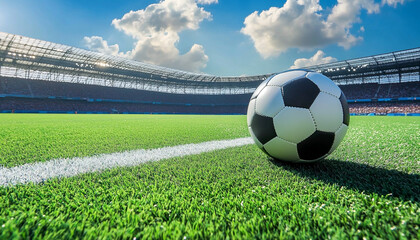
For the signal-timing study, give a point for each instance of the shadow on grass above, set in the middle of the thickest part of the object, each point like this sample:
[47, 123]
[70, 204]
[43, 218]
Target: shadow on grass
[361, 177]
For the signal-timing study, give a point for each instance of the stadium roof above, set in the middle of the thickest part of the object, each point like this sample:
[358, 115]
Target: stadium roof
[30, 58]
[37, 57]
[383, 68]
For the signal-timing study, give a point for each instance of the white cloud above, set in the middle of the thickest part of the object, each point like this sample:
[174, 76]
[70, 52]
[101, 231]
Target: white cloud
[342, 18]
[156, 32]
[276, 29]
[160, 50]
[170, 16]
[392, 2]
[97, 44]
[316, 59]
[207, 1]
[303, 24]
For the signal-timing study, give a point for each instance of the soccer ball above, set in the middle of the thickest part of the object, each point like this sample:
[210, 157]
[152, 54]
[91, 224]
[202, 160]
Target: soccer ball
[298, 116]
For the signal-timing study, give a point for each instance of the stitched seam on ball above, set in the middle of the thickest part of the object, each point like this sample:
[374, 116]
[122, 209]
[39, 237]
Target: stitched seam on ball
[284, 139]
[330, 94]
[340, 104]
[278, 135]
[341, 125]
[278, 112]
[281, 91]
[275, 85]
[255, 105]
[313, 119]
[329, 152]
[288, 81]
[255, 110]
[295, 107]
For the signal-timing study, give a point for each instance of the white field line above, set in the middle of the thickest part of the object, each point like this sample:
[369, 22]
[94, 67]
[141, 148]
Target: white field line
[41, 171]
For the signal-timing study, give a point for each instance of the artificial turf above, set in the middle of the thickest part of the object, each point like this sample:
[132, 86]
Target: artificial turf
[368, 188]
[26, 138]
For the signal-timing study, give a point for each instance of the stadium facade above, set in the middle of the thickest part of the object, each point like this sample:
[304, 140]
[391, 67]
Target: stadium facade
[35, 74]
[28, 58]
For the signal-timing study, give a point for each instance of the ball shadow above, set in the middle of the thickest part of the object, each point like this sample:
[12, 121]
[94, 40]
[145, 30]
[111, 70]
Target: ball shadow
[361, 177]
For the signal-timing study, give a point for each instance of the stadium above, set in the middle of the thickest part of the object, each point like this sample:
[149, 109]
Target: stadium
[43, 77]
[94, 146]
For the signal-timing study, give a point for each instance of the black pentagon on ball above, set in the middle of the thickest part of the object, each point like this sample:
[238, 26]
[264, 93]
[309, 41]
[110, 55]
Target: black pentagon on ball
[263, 128]
[316, 145]
[345, 106]
[300, 93]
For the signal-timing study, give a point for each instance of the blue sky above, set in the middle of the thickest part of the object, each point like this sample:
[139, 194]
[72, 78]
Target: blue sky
[224, 37]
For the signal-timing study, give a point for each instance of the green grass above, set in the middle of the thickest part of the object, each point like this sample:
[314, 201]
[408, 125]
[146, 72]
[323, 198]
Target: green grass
[37, 138]
[369, 187]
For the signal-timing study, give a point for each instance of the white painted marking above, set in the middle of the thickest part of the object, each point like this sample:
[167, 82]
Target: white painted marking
[41, 171]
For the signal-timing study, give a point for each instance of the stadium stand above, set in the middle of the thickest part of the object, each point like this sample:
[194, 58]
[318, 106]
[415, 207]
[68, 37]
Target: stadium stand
[23, 105]
[40, 76]
[376, 90]
[22, 95]
[382, 108]
[41, 88]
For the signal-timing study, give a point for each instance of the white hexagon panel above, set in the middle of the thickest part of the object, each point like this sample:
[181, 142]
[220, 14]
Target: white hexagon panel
[327, 112]
[251, 111]
[281, 149]
[338, 137]
[324, 84]
[294, 124]
[260, 88]
[280, 79]
[269, 101]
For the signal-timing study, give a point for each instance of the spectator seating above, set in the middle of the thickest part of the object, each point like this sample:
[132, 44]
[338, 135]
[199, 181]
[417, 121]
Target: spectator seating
[375, 90]
[384, 108]
[72, 90]
[50, 96]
